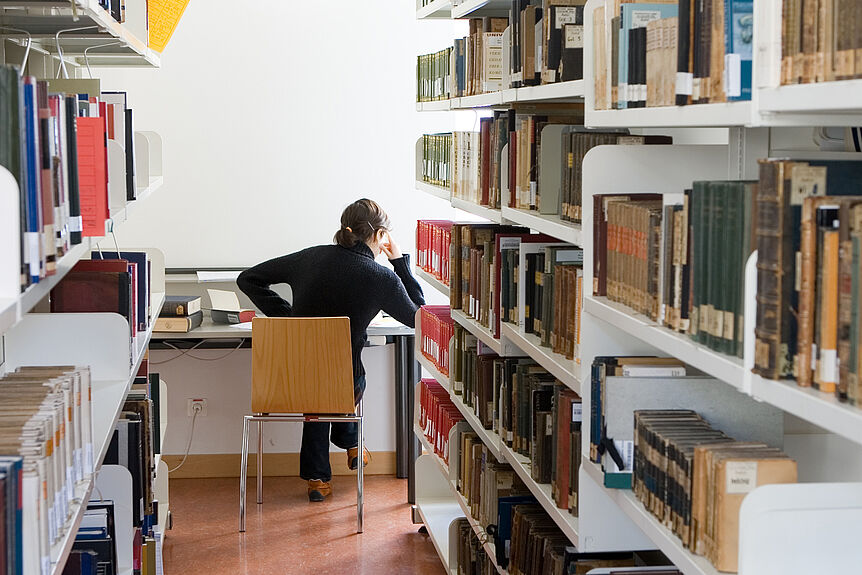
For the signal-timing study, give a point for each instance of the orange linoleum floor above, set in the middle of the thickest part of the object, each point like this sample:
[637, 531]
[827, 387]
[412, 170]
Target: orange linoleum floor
[289, 535]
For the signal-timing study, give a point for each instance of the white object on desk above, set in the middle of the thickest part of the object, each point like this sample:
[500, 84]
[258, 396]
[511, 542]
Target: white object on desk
[223, 300]
[246, 325]
[226, 276]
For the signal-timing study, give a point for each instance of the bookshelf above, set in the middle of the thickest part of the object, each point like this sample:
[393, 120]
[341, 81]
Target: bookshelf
[726, 368]
[549, 224]
[432, 281]
[490, 214]
[480, 8]
[487, 545]
[45, 18]
[484, 335]
[567, 522]
[98, 340]
[612, 518]
[667, 542]
[566, 370]
[434, 9]
[560, 92]
[436, 191]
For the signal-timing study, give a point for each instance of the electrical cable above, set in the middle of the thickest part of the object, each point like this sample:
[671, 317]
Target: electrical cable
[197, 409]
[183, 352]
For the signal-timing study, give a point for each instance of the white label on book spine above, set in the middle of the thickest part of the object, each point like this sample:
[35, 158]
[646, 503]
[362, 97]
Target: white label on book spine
[33, 243]
[684, 83]
[741, 476]
[76, 224]
[566, 15]
[626, 449]
[574, 36]
[640, 18]
[733, 75]
[577, 412]
[549, 425]
[88, 463]
[828, 366]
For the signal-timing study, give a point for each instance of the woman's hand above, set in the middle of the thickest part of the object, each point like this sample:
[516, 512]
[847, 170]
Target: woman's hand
[390, 248]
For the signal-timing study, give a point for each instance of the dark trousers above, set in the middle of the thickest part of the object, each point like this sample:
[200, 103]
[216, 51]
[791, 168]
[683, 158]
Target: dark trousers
[314, 454]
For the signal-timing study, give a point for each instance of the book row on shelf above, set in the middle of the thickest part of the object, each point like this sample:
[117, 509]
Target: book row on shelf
[820, 41]
[524, 538]
[433, 240]
[55, 137]
[645, 440]
[436, 153]
[694, 477]
[500, 53]
[499, 267]
[683, 265]
[534, 414]
[665, 53]
[48, 454]
[538, 158]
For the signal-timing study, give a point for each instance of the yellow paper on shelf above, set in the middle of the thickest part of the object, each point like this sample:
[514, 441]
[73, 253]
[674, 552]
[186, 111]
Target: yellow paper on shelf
[163, 17]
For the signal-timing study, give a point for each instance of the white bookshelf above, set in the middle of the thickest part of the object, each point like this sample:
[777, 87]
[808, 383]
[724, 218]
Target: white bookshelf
[481, 332]
[664, 539]
[724, 367]
[45, 19]
[434, 9]
[432, 281]
[549, 224]
[567, 522]
[434, 106]
[480, 532]
[490, 214]
[98, 340]
[480, 8]
[486, 100]
[568, 371]
[102, 342]
[822, 98]
[694, 116]
[436, 191]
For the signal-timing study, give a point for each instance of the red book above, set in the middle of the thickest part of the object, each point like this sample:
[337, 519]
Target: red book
[94, 291]
[92, 175]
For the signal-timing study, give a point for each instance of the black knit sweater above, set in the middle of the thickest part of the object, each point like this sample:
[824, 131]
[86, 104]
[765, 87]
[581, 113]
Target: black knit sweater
[336, 281]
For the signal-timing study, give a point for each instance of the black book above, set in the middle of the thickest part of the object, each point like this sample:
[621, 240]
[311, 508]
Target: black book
[683, 46]
[76, 224]
[128, 434]
[131, 190]
[631, 80]
[641, 45]
[572, 48]
[156, 397]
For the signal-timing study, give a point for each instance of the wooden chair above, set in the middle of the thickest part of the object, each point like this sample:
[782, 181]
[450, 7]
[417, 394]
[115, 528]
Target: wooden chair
[302, 370]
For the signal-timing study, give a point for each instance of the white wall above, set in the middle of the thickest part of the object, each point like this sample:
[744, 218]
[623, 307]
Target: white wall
[226, 385]
[276, 116]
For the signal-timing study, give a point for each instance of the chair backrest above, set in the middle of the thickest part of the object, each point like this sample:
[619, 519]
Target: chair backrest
[301, 365]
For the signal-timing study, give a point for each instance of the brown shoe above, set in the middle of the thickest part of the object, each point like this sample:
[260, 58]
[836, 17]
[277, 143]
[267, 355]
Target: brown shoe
[318, 490]
[351, 457]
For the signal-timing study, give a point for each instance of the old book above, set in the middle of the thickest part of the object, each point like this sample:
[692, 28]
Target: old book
[684, 77]
[601, 52]
[178, 324]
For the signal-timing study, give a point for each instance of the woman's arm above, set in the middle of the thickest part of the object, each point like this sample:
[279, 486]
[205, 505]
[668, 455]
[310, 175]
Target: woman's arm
[255, 282]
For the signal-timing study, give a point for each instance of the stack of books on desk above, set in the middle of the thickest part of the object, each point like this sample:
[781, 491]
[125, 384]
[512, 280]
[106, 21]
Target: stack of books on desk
[180, 314]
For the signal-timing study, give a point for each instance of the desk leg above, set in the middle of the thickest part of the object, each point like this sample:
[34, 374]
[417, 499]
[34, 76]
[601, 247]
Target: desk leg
[407, 447]
[402, 406]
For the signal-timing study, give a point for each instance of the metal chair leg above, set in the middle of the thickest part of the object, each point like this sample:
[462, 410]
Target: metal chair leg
[243, 471]
[360, 469]
[259, 462]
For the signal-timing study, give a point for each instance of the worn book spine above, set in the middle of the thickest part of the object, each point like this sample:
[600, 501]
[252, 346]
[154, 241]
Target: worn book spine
[826, 376]
[808, 273]
[768, 358]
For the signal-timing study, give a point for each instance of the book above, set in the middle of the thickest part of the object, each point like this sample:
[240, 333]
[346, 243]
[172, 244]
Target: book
[179, 324]
[180, 305]
[142, 285]
[95, 291]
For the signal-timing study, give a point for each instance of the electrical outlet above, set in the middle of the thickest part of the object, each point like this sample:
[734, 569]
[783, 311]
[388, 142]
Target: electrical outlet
[199, 405]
